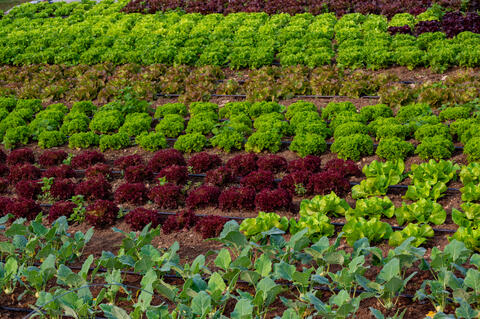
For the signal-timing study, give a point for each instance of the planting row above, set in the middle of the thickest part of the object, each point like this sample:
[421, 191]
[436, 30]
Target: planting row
[240, 40]
[387, 8]
[255, 127]
[258, 190]
[250, 276]
[105, 82]
[252, 181]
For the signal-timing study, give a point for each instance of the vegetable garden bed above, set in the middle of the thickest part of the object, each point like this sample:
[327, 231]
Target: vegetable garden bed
[244, 165]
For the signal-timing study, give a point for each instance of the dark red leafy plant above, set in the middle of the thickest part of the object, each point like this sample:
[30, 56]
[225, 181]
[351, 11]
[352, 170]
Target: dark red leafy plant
[4, 170]
[131, 193]
[4, 203]
[3, 156]
[62, 171]
[293, 181]
[328, 181]
[61, 208]
[427, 26]
[3, 185]
[345, 167]
[454, 23]
[141, 217]
[86, 159]
[272, 200]
[127, 161]
[20, 156]
[23, 171]
[26, 208]
[237, 198]
[165, 158]
[99, 169]
[272, 163]
[203, 196]
[51, 158]
[259, 180]
[94, 188]
[102, 213]
[400, 30]
[203, 162]
[310, 163]
[219, 176]
[137, 174]
[210, 226]
[182, 219]
[62, 188]
[166, 196]
[174, 174]
[242, 164]
[28, 189]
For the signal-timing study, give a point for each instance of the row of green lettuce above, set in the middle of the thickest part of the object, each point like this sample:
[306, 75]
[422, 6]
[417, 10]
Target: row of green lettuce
[428, 184]
[297, 278]
[99, 33]
[255, 127]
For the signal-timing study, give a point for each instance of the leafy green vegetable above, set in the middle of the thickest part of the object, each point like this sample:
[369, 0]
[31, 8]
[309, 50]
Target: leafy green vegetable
[422, 211]
[420, 232]
[151, 141]
[48, 139]
[262, 223]
[372, 229]
[394, 148]
[353, 146]
[194, 142]
[379, 177]
[324, 205]
[308, 144]
[372, 207]
[266, 140]
[430, 179]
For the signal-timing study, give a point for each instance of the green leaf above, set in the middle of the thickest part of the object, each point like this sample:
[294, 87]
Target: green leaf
[465, 311]
[114, 312]
[290, 314]
[263, 265]
[377, 313]
[472, 280]
[284, 270]
[201, 304]
[390, 270]
[216, 283]
[243, 309]
[223, 259]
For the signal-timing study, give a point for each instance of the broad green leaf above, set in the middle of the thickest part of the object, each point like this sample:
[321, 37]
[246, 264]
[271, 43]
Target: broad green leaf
[263, 265]
[223, 259]
[201, 303]
[390, 270]
[114, 312]
[243, 309]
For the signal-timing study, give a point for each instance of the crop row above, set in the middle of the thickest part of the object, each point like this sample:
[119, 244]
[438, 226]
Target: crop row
[257, 127]
[255, 188]
[331, 282]
[238, 40]
[339, 7]
[105, 82]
